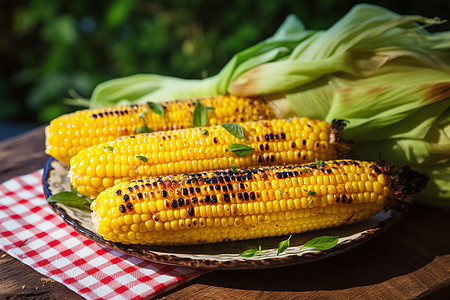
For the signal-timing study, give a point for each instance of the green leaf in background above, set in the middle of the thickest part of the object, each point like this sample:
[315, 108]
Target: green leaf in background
[63, 30]
[200, 117]
[235, 129]
[251, 252]
[156, 108]
[322, 243]
[71, 199]
[283, 245]
[240, 149]
[118, 12]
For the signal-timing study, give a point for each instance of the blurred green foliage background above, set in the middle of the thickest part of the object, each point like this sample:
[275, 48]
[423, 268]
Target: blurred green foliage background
[51, 50]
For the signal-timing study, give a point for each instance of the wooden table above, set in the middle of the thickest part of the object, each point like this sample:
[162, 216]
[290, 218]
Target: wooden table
[411, 260]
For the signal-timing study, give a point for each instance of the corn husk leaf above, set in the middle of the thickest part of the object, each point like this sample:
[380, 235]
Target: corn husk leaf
[381, 71]
[371, 30]
[373, 115]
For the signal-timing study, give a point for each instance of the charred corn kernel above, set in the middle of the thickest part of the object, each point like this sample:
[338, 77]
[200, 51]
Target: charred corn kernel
[133, 153]
[69, 134]
[212, 207]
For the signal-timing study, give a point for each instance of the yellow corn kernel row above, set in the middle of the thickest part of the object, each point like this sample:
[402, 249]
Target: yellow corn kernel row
[274, 142]
[252, 203]
[69, 134]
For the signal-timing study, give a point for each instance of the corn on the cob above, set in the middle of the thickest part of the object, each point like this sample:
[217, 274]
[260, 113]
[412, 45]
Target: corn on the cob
[202, 149]
[253, 203]
[69, 134]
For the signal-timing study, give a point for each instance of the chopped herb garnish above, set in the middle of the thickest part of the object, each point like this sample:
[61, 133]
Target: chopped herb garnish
[143, 158]
[235, 129]
[200, 116]
[312, 193]
[142, 115]
[320, 163]
[251, 252]
[307, 170]
[108, 148]
[240, 149]
[282, 246]
[144, 129]
[156, 108]
[234, 168]
[204, 132]
[281, 192]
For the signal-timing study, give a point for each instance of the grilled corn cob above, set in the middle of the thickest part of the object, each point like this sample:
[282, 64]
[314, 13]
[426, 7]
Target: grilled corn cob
[252, 203]
[202, 149]
[69, 134]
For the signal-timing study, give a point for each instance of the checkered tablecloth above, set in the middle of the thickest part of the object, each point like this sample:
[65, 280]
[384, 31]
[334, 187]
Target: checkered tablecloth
[31, 232]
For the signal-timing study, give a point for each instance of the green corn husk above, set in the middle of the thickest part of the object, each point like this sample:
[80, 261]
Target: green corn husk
[382, 72]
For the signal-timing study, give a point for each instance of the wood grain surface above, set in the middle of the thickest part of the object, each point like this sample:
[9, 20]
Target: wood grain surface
[410, 261]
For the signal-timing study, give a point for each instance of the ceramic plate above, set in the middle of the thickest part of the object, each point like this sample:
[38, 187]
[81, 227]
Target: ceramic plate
[220, 255]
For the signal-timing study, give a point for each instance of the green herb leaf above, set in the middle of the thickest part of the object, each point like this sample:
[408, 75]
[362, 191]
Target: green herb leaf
[143, 158]
[234, 168]
[204, 132]
[251, 252]
[312, 193]
[71, 199]
[240, 149]
[235, 129]
[144, 129]
[282, 246]
[281, 191]
[156, 108]
[318, 162]
[108, 148]
[322, 243]
[306, 170]
[200, 117]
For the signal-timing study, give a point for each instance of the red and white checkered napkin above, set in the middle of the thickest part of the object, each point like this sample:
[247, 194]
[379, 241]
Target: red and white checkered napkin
[32, 233]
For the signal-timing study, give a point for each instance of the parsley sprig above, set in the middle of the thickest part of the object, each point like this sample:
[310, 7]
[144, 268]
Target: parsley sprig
[318, 243]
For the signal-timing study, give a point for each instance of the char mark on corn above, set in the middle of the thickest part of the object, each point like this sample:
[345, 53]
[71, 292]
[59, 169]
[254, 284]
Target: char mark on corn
[291, 141]
[262, 202]
[69, 134]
